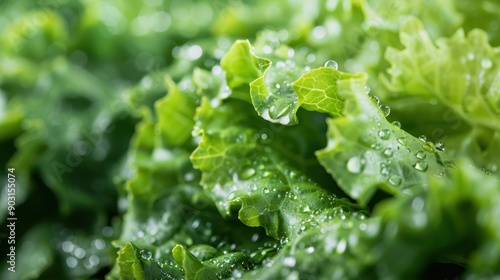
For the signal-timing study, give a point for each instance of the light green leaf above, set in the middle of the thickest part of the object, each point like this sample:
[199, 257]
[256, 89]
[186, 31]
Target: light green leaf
[242, 66]
[461, 72]
[175, 113]
[193, 268]
[317, 90]
[263, 188]
[129, 264]
[270, 85]
[366, 152]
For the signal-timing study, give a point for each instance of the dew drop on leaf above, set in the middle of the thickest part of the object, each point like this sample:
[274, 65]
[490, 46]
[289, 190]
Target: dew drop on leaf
[146, 254]
[421, 166]
[428, 146]
[356, 165]
[332, 64]
[439, 146]
[394, 180]
[422, 138]
[247, 173]
[420, 154]
[396, 124]
[402, 141]
[388, 152]
[384, 170]
[375, 99]
[384, 134]
[367, 89]
[385, 109]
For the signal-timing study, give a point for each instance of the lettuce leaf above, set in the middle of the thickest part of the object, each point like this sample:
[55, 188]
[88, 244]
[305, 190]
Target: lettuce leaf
[457, 81]
[366, 152]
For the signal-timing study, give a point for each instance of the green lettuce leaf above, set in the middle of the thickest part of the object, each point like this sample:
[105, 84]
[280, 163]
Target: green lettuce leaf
[264, 189]
[383, 156]
[435, 224]
[461, 72]
[456, 82]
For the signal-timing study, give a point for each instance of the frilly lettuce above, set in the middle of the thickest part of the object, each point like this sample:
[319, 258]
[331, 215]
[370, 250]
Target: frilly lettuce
[344, 139]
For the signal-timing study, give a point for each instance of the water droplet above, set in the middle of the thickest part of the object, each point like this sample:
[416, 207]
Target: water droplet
[310, 250]
[418, 204]
[107, 231]
[265, 190]
[420, 154]
[362, 226]
[195, 224]
[423, 138]
[284, 120]
[71, 262]
[237, 274]
[305, 208]
[146, 254]
[332, 64]
[421, 166]
[439, 146]
[384, 134]
[385, 109]
[189, 176]
[396, 124]
[289, 261]
[388, 152]
[68, 246]
[280, 64]
[428, 146]
[375, 99]
[367, 89]
[402, 141]
[356, 164]
[247, 173]
[94, 260]
[394, 180]
[255, 237]
[384, 170]
[79, 253]
[486, 63]
[376, 146]
[99, 244]
[341, 247]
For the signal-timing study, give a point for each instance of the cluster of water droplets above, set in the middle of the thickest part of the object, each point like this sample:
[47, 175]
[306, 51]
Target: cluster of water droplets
[386, 110]
[282, 100]
[82, 254]
[385, 144]
[339, 229]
